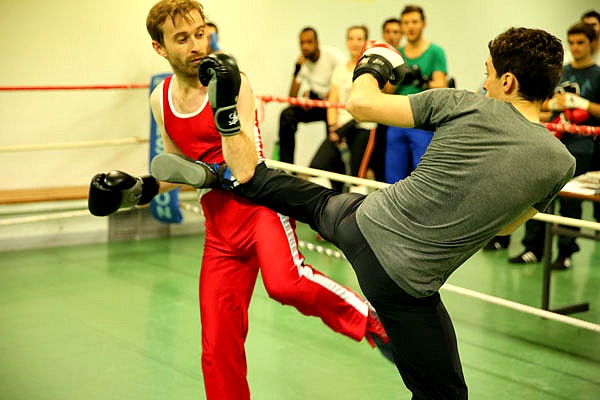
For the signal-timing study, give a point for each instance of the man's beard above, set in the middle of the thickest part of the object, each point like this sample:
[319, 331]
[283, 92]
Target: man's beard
[183, 67]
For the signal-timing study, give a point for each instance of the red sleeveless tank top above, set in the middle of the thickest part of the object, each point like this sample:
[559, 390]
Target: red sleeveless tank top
[195, 133]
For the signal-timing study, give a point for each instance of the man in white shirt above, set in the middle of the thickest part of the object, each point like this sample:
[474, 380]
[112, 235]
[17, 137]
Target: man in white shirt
[313, 71]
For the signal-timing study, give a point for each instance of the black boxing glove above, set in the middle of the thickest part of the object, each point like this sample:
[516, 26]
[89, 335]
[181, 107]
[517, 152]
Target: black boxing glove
[117, 189]
[220, 73]
[382, 61]
[415, 77]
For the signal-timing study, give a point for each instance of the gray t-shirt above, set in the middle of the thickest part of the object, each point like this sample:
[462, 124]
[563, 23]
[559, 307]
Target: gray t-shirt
[485, 166]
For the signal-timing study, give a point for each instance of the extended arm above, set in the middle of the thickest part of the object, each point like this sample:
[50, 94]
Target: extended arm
[368, 103]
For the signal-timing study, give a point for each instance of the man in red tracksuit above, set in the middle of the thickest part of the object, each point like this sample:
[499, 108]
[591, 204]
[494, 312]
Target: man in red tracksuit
[241, 237]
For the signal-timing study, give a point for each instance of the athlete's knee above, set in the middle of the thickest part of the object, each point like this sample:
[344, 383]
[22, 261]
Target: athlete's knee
[285, 292]
[335, 210]
[288, 117]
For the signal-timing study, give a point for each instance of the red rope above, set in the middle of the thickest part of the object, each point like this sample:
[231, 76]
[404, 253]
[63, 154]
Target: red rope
[74, 87]
[571, 128]
[297, 101]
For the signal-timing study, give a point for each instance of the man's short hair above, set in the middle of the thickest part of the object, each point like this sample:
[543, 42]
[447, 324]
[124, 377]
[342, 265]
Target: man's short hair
[169, 9]
[310, 29]
[361, 27]
[533, 56]
[213, 25]
[583, 28]
[591, 14]
[412, 8]
[389, 21]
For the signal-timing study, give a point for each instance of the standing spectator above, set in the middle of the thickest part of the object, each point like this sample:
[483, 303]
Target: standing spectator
[592, 18]
[344, 148]
[313, 70]
[427, 69]
[391, 32]
[579, 89]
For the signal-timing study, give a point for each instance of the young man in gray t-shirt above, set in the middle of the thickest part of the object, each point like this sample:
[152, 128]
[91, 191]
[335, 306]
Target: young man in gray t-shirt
[491, 166]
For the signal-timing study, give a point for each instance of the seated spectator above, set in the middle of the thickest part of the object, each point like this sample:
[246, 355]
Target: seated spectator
[344, 149]
[313, 70]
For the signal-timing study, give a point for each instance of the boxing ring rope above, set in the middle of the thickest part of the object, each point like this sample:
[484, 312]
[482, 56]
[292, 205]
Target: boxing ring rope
[74, 145]
[74, 87]
[557, 127]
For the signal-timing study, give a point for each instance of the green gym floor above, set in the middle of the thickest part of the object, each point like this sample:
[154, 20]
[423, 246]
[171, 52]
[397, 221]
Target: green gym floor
[120, 321]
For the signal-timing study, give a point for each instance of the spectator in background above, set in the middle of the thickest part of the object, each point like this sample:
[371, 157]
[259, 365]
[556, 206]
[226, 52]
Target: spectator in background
[391, 33]
[344, 149]
[212, 33]
[313, 70]
[427, 70]
[576, 100]
[592, 18]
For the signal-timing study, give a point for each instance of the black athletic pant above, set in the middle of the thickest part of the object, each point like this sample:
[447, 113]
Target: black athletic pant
[288, 125]
[420, 329]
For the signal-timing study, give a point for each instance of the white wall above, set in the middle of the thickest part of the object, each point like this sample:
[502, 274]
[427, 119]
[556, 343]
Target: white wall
[105, 42]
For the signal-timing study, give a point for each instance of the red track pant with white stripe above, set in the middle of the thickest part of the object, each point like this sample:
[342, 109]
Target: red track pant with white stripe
[241, 240]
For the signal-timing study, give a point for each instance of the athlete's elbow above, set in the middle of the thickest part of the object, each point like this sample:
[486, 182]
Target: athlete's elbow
[244, 176]
[358, 107]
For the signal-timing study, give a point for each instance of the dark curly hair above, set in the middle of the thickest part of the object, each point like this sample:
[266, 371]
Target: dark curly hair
[533, 56]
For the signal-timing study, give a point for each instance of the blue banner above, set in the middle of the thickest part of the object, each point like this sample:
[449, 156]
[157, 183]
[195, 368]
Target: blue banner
[165, 206]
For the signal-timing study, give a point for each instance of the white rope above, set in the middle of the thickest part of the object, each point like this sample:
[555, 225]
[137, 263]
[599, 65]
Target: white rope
[555, 219]
[481, 296]
[325, 174]
[191, 207]
[523, 308]
[72, 145]
[44, 217]
[321, 249]
[338, 254]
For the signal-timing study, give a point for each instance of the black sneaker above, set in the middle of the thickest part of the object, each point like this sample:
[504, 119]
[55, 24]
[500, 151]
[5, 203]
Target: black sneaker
[561, 263]
[527, 257]
[494, 245]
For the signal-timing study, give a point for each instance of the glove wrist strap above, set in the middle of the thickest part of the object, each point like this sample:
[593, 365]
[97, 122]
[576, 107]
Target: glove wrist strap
[227, 120]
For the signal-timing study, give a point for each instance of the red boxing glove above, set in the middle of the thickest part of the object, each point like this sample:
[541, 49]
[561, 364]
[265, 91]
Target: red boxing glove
[576, 116]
